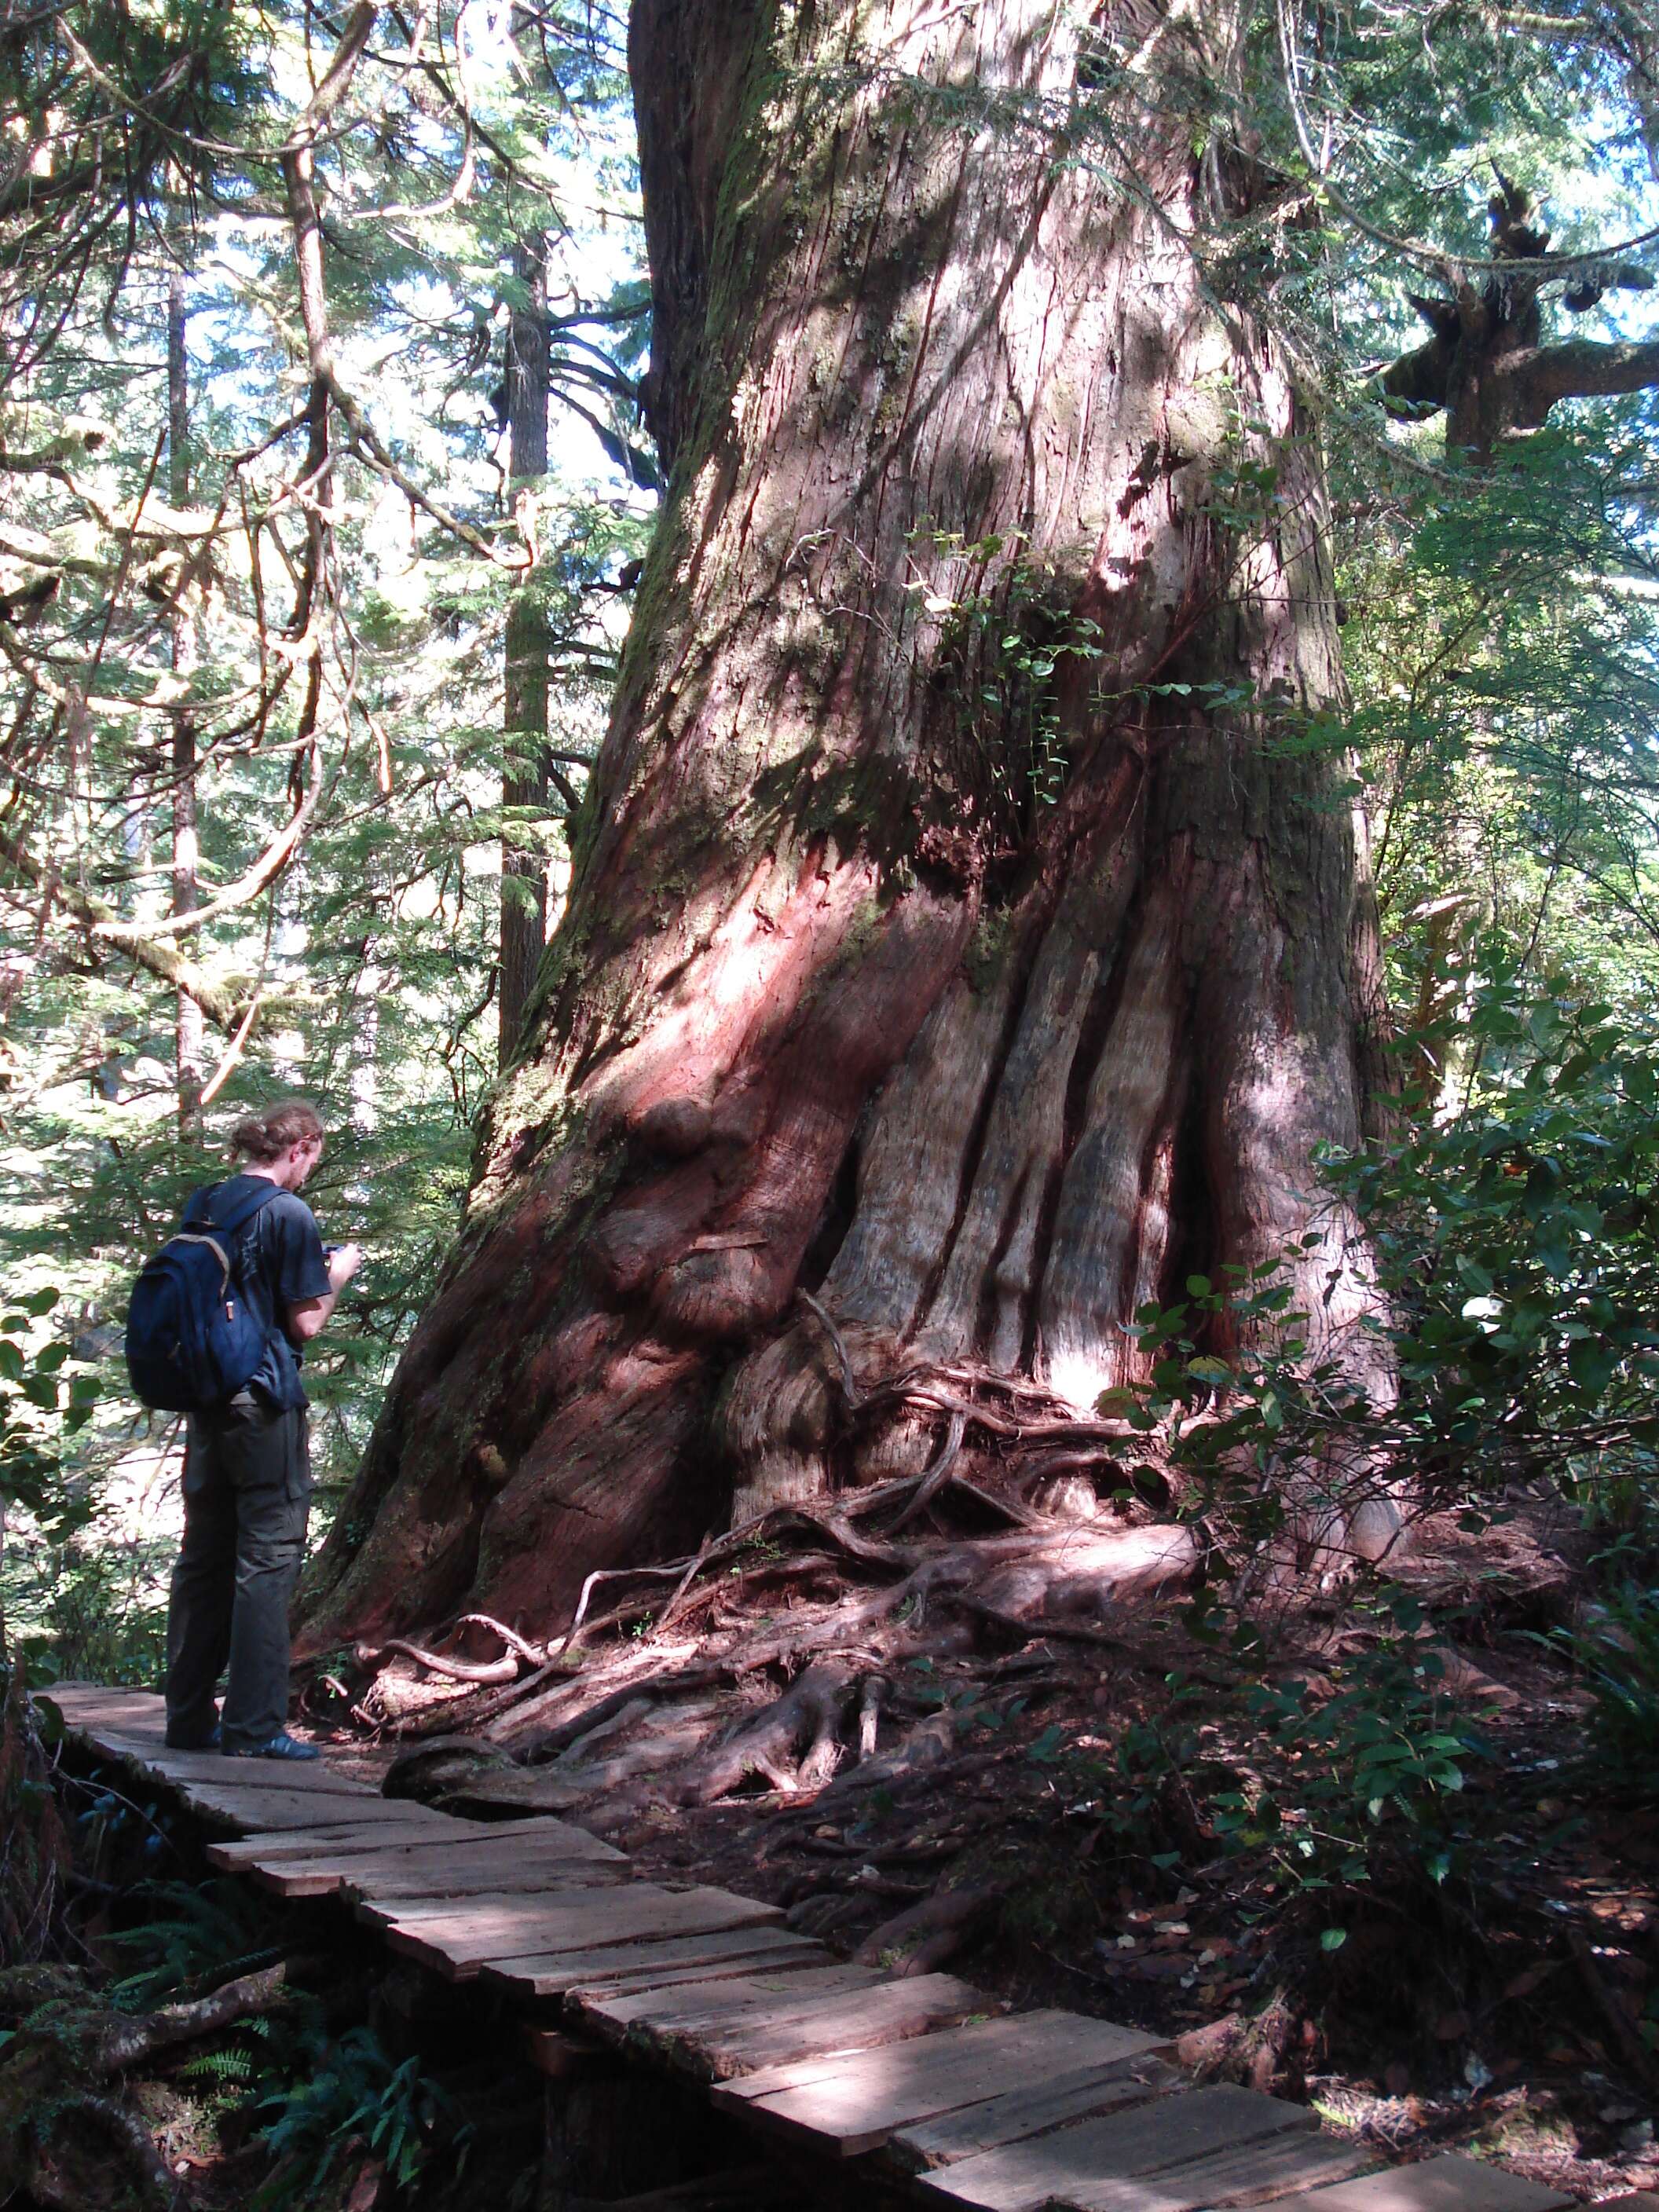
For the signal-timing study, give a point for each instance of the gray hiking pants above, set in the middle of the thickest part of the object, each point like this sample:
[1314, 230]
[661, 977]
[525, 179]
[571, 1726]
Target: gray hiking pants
[247, 1496]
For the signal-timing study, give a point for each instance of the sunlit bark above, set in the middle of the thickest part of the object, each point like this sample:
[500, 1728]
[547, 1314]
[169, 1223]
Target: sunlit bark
[961, 928]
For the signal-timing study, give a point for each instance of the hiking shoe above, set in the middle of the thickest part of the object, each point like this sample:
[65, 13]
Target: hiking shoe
[282, 1746]
[208, 1742]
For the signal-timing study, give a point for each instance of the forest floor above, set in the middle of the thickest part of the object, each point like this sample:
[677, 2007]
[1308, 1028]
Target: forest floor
[1355, 1850]
[1356, 1854]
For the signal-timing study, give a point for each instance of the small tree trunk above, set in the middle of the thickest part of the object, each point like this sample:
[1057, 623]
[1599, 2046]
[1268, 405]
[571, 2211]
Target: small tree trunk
[190, 1055]
[525, 780]
[33, 1846]
[960, 928]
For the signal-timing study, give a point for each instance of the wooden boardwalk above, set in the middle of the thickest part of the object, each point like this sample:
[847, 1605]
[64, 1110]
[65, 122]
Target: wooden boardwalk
[951, 2099]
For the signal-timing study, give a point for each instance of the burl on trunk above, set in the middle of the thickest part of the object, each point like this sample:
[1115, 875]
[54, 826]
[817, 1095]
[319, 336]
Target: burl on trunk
[958, 931]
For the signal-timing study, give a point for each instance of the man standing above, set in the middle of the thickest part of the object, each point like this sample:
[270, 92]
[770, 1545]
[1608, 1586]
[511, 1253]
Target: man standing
[248, 1463]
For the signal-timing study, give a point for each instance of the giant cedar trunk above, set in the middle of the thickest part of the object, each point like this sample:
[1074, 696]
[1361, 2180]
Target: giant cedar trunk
[983, 987]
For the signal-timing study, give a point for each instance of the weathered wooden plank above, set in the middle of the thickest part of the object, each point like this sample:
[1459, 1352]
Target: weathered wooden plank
[248, 1809]
[1086, 2093]
[442, 1874]
[102, 1730]
[130, 1728]
[1446, 2183]
[543, 1833]
[123, 1746]
[659, 2012]
[460, 1858]
[354, 1828]
[458, 1943]
[796, 2028]
[207, 1768]
[1080, 2165]
[645, 1964]
[138, 1737]
[854, 2105]
[1001, 2115]
[766, 1984]
[213, 1791]
[1107, 2045]
[804, 1952]
[96, 1701]
[1283, 2168]
[83, 1685]
[447, 1871]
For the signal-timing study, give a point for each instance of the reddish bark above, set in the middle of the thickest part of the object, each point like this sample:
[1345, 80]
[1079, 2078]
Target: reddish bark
[982, 998]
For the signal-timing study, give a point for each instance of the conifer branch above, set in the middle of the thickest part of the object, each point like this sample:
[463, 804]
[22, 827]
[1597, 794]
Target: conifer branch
[1582, 369]
[247, 888]
[224, 1007]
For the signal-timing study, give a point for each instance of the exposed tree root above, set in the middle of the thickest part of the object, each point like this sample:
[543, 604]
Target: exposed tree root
[1248, 2047]
[919, 1940]
[861, 1595]
[1028, 1631]
[809, 1714]
[517, 1650]
[437, 1662]
[870, 1703]
[132, 2139]
[22, 1989]
[434, 1769]
[771, 1665]
[59, 2068]
[532, 1653]
[129, 2041]
[1036, 1421]
[560, 1739]
[1048, 1565]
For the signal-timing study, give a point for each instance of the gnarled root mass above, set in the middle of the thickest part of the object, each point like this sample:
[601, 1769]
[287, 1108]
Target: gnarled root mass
[780, 1658]
[62, 2099]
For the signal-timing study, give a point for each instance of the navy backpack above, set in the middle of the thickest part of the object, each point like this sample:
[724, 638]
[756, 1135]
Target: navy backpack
[191, 1342]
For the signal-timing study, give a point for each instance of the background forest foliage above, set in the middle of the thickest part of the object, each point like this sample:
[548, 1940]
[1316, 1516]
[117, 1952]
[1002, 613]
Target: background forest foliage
[276, 555]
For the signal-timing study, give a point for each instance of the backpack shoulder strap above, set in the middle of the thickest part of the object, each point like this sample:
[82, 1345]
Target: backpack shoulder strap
[196, 1205]
[207, 1210]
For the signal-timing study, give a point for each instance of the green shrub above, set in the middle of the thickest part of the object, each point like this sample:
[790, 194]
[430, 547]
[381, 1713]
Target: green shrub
[355, 2097]
[1517, 1253]
[1372, 1773]
[194, 1936]
[1617, 1649]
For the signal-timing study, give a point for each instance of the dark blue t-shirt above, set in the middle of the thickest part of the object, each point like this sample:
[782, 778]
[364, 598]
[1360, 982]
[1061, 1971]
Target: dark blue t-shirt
[279, 1263]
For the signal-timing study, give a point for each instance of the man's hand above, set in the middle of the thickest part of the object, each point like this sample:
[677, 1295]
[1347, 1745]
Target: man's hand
[308, 1318]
